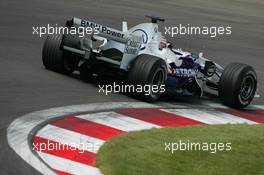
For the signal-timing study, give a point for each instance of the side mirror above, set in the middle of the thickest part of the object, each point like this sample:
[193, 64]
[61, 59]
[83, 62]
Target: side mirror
[169, 45]
[155, 19]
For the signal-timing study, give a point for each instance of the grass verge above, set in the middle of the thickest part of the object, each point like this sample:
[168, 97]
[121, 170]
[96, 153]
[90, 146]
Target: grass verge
[143, 152]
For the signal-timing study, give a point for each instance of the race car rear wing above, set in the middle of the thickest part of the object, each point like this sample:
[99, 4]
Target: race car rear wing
[84, 45]
[100, 30]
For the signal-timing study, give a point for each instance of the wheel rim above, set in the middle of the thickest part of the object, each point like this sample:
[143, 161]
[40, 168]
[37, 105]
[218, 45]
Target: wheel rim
[157, 80]
[247, 88]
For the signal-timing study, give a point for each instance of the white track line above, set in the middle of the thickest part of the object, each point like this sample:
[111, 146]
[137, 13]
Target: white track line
[209, 116]
[71, 168]
[215, 105]
[70, 138]
[118, 121]
[259, 106]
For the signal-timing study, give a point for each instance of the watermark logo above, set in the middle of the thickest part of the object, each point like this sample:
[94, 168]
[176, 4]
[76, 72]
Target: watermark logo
[56, 146]
[212, 31]
[212, 147]
[130, 88]
[51, 30]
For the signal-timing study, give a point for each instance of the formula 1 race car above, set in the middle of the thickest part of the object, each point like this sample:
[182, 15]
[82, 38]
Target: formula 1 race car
[143, 56]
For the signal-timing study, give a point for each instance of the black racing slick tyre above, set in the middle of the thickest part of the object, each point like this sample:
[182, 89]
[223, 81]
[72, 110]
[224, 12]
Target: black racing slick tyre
[86, 72]
[147, 71]
[54, 58]
[237, 86]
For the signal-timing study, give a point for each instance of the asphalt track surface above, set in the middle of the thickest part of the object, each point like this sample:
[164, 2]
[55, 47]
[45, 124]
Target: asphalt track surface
[25, 86]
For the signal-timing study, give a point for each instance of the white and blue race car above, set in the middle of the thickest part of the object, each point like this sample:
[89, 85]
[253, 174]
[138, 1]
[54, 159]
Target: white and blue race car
[143, 56]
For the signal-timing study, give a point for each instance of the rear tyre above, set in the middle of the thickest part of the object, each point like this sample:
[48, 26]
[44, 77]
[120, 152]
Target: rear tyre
[237, 86]
[86, 73]
[54, 58]
[148, 70]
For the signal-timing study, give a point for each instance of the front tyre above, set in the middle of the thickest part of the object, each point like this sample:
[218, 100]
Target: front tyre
[56, 59]
[237, 86]
[150, 72]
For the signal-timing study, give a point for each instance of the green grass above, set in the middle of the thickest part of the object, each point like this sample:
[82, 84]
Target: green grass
[143, 153]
